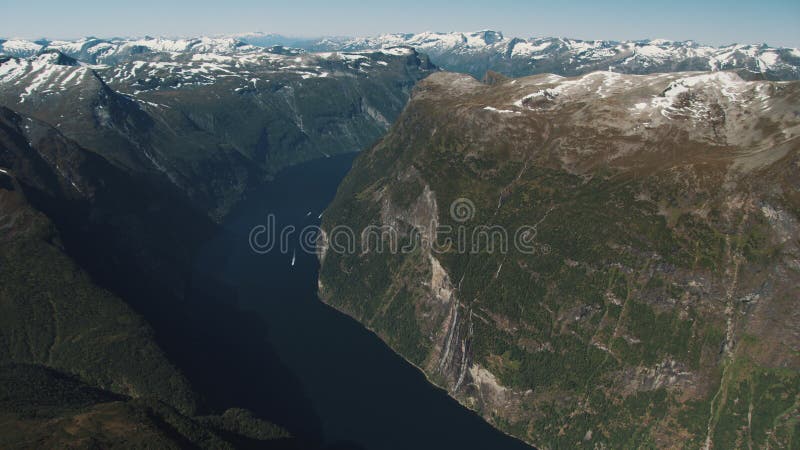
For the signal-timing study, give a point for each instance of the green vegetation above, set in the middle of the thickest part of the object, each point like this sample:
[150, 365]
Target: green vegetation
[78, 367]
[54, 410]
[51, 313]
[612, 332]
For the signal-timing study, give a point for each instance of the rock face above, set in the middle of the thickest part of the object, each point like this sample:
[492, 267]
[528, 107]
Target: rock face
[647, 294]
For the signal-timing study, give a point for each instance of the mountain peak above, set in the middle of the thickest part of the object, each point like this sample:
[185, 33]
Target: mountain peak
[54, 56]
[489, 36]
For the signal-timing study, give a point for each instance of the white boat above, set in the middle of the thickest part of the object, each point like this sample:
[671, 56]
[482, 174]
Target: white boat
[294, 257]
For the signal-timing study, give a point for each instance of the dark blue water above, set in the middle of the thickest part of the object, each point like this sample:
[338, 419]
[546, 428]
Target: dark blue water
[333, 381]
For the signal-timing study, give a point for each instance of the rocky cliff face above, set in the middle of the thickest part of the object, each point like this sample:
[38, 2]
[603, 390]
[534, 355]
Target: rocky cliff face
[647, 293]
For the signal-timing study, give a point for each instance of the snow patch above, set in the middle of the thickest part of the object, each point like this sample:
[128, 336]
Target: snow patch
[501, 111]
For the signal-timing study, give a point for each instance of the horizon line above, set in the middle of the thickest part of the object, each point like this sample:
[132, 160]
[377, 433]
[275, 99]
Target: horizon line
[236, 35]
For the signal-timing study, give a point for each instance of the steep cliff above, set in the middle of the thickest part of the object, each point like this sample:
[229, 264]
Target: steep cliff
[646, 293]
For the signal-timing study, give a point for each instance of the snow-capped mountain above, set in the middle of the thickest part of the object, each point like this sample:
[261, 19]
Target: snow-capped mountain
[479, 51]
[658, 160]
[19, 47]
[173, 106]
[337, 94]
[102, 51]
[620, 174]
[140, 65]
[468, 52]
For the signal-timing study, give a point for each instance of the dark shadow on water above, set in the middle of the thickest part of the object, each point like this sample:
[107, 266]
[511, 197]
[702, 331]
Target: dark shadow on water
[365, 395]
[247, 329]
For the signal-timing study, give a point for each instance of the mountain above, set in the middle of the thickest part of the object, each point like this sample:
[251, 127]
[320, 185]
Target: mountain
[79, 367]
[653, 304]
[477, 52]
[260, 39]
[474, 52]
[184, 108]
[645, 295]
[43, 408]
[53, 314]
[120, 157]
[108, 51]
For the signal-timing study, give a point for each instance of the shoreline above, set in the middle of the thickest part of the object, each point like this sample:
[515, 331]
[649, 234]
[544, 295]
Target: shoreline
[420, 370]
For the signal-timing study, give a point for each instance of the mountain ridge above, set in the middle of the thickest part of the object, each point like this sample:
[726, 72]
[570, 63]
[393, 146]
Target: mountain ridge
[170, 112]
[663, 267]
[473, 52]
[477, 52]
[663, 160]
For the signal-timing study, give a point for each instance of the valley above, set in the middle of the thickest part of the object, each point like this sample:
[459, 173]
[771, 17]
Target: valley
[653, 307]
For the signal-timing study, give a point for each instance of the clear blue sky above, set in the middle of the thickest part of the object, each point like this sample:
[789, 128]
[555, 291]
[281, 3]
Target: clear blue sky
[776, 22]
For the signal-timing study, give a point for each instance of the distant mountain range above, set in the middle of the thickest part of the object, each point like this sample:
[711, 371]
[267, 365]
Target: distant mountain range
[479, 51]
[467, 52]
[175, 105]
[92, 50]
